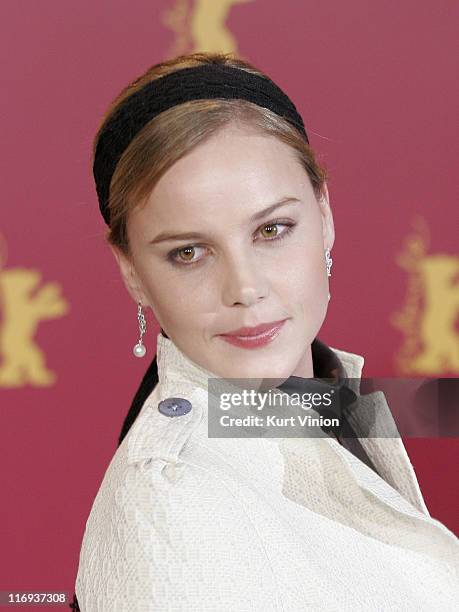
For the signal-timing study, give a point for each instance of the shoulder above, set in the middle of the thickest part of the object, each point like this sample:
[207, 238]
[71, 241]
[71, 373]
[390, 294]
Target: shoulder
[158, 434]
[163, 530]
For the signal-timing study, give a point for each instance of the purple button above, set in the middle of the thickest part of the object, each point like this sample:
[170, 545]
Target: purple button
[174, 406]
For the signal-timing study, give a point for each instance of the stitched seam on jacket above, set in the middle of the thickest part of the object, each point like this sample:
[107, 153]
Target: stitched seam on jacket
[236, 497]
[250, 485]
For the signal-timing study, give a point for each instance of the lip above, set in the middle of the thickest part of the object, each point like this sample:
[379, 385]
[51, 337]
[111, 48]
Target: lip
[254, 331]
[254, 337]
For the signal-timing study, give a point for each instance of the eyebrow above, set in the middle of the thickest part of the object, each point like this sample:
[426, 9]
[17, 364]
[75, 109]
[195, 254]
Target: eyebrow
[167, 236]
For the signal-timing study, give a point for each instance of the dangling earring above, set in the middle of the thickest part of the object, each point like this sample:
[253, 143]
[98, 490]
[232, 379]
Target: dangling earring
[329, 262]
[139, 349]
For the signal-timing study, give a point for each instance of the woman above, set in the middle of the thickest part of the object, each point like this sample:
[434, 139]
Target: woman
[220, 222]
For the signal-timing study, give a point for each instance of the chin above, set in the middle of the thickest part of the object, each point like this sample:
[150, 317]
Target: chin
[277, 369]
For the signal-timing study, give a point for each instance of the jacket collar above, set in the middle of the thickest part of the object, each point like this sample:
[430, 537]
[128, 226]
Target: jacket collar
[328, 362]
[154, 435]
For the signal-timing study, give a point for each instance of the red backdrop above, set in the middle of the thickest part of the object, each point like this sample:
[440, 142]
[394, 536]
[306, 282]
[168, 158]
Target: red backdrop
[374, 83]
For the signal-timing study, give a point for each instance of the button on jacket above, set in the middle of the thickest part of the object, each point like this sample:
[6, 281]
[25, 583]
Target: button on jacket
[187, 523]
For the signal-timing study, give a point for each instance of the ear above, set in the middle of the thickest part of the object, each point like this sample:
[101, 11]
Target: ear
[328, 227]
[129, 276]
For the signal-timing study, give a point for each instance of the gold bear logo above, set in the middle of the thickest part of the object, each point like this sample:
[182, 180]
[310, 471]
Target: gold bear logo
[22, 360]
[199, 25]
[430, 313]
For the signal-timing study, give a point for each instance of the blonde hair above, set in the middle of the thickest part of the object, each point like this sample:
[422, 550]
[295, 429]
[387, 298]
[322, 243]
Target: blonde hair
[176, 131]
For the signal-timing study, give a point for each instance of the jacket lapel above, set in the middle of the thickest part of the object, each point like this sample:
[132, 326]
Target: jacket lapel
[377, 432]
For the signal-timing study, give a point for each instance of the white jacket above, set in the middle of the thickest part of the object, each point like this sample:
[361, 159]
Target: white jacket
[187, 523]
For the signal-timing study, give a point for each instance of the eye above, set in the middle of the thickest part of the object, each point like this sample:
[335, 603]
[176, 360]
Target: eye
[272, 233]
[185, 255]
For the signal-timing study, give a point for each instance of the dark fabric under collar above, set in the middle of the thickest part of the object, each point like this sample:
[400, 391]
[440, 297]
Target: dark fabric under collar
[330, 373]
[325, 362]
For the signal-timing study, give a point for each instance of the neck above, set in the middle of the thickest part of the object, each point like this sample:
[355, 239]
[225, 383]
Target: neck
[304, 367]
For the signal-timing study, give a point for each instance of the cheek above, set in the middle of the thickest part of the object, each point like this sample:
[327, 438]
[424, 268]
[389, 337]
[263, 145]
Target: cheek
[303, 279]
[178, 300]
[303, 289]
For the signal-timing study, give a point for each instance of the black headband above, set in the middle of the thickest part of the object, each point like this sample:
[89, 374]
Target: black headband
[196, 83]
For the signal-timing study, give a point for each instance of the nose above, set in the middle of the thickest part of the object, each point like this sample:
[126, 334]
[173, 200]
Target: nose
[243, 281]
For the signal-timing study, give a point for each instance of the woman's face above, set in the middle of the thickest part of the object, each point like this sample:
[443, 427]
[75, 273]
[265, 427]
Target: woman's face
[208, 258]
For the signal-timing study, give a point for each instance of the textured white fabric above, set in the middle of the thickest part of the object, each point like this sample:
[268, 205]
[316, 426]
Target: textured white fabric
[187, 523]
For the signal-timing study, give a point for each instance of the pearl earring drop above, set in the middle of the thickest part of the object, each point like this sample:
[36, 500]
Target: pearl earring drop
[139, 349]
